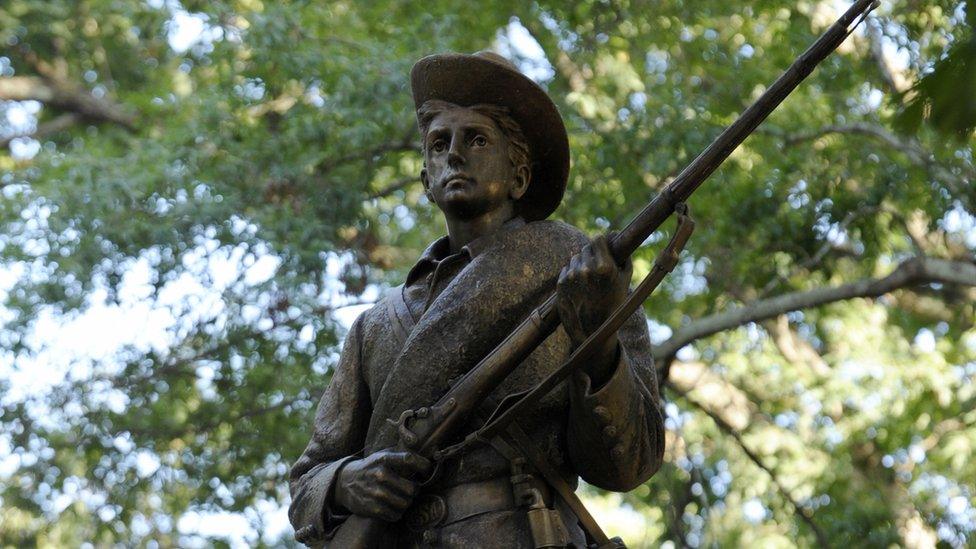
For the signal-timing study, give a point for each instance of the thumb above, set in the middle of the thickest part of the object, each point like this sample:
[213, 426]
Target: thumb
[569, 316]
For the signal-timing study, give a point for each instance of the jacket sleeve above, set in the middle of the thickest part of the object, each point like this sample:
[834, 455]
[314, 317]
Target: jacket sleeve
[339, 431]
[615, 434]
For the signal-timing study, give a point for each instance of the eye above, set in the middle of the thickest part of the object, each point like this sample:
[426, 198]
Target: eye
[438, 146]
[479, 141]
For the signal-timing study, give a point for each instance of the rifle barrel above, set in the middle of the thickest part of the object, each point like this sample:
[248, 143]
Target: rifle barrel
[658, 210]
[480, 381]
[467, 395]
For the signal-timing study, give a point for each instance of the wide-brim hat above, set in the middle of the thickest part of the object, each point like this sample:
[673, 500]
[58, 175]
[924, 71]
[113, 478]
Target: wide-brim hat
[489, 78]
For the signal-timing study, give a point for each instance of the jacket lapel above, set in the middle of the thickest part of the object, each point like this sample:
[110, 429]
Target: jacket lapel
[476, 310]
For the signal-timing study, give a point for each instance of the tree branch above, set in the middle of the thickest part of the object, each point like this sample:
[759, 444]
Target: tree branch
[803, 513]
[914, 271]
[908, 146]
[860, 128]
[217, 422]
[64, 96]
[325, 309]
[915, 230]
[405, 144]
[56, 125]
[724, 398]
[824, 249]
[794, 348]
[393, 187]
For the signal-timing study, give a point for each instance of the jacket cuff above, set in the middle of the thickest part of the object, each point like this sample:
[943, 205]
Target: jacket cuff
[603, 416]
[318, 522]
[621, 382]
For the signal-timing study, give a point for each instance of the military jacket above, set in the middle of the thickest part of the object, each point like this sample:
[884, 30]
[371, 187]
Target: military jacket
[407, 350]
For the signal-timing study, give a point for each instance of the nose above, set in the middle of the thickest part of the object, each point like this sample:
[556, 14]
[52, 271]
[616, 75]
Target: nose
[455, 158]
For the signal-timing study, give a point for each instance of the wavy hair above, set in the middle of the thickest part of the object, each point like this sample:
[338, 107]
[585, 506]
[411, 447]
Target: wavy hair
[518, 146]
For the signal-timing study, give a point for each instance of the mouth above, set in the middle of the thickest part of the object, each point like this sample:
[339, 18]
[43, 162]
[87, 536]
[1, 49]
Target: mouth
[457, 181]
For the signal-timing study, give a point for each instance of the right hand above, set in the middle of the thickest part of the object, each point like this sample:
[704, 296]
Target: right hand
[382, 485]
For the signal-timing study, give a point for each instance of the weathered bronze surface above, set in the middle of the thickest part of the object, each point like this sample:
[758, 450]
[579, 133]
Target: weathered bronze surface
[496, 162]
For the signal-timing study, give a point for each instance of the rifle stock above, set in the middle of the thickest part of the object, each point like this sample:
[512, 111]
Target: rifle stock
[425, 430]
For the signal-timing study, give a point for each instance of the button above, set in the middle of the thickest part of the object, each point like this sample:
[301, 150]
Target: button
[610, 431]
[618, 451]
[602, 413]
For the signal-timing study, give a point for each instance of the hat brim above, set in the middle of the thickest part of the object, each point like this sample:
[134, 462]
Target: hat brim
[468, 80]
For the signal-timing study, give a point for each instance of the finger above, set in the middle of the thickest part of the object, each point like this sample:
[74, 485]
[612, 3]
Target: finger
[565, 288]
[569, 318]
[573, 327]
[419, 464]
[408, 464]
[398, 504]
[389, 509]
[382, 496]
[603, 262]
[400, 486]
[590, 254]
[600, 243]
[587, 252]
[571, 271]
[601, 248]
[576, 262]
[564, 305]
[387, 514]
[582, 264]
[373, 503]
[564, 300]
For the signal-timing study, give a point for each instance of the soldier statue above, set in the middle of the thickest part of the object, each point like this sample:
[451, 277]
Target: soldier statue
[496, 163]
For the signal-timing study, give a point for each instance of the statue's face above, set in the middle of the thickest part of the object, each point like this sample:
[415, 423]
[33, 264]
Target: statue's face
[468, 169]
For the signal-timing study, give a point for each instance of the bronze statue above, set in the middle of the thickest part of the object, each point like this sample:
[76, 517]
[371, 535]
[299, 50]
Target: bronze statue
[496, 160]
[389, 464]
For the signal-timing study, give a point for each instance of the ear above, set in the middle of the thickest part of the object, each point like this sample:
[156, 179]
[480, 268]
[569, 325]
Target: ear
[426, 182]
[521, 184]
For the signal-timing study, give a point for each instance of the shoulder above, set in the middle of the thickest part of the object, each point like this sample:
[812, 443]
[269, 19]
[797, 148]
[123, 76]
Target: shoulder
[557, 230]
[551, 233]
[541, 245]
[371, 338]
[557, 236]
[371, 319]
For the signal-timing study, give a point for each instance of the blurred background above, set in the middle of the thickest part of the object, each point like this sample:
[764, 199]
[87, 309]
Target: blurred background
[198, 197]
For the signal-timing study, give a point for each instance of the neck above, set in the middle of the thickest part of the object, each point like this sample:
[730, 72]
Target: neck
[461, 232]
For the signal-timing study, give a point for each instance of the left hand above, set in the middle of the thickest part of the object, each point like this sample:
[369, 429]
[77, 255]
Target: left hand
[589, 289]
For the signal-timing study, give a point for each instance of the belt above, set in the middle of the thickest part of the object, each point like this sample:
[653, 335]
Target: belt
[459, 502]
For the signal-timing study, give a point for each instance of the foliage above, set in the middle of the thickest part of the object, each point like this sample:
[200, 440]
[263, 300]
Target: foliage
[935, 95]
[215, 204]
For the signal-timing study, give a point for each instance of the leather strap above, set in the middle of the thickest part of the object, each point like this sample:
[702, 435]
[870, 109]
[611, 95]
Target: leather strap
[524, 445]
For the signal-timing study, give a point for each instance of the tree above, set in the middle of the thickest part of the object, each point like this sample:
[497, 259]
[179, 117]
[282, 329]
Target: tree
[239, 184]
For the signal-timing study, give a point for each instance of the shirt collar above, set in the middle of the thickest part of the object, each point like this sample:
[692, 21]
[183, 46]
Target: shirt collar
[441, 249]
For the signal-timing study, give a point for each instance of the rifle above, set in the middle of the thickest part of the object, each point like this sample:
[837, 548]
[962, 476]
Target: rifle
[424, 430]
